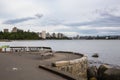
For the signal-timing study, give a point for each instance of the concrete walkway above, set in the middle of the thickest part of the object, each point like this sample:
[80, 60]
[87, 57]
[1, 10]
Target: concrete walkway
[25, 67]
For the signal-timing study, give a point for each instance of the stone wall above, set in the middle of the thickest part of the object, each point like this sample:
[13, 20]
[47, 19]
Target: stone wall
[76, 67]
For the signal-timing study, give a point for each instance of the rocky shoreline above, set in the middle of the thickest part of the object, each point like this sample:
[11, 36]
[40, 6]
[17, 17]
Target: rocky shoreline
[102, 71]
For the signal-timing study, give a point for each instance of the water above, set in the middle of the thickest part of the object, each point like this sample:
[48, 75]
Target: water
[108, 50]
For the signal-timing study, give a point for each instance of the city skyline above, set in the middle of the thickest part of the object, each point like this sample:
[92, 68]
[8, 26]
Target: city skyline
[41, 34]
[71, 17]
[48, 35]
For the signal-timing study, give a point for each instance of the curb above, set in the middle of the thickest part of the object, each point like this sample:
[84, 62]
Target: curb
[60, 73]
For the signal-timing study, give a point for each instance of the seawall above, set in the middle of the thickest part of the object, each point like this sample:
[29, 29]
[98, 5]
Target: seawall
[76, 67]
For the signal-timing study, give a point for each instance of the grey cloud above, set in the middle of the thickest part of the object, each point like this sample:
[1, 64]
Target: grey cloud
[106, 20]
[94, 32]
[46, 21]
[91, 32]
[19, 20]
[15, 21]
[39, 15]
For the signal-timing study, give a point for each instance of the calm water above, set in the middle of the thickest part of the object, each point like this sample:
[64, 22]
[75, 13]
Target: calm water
[109, 50]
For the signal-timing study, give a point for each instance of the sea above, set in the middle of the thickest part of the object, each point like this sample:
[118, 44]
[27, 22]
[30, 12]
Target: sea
[108, 50]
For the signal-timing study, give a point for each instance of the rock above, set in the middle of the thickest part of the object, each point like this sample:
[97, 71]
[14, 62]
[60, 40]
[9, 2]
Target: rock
[95, 55]
[14, 69]
[92, 73]
[112, 74]
[93, 78]
[101, 71]
[60, 63]
[107, 72]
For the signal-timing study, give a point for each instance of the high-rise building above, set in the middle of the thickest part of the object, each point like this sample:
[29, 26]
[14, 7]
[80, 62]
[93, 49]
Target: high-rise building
[6, 30]
[48, 35]
[43, 35]
[60, 35]
[56, 35]
[77, 37]
[14, 29]
[53, 35]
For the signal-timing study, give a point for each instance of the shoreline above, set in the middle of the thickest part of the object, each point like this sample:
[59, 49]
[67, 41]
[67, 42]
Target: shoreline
[63, 61]
[5, 40]
[27, 66]
[62, 40]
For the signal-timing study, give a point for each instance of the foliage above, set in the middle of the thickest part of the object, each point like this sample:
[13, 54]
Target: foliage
[20, 35]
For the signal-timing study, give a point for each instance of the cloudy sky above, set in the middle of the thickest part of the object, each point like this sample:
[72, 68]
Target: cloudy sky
[72, 17]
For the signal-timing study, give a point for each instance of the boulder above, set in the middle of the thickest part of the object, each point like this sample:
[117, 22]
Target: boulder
[95, 55]
[101, 71]
[93, 78]
[108, 72]
[92, 73]
[111, 74]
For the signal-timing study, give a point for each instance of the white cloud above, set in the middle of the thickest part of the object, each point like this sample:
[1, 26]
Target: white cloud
[58, 12]
[22, 8]
[98, 28]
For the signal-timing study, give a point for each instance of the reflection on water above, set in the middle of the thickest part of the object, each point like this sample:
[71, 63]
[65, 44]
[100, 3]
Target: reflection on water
[109, 50]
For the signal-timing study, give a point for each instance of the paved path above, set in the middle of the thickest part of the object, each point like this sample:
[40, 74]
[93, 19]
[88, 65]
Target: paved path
[25, 67]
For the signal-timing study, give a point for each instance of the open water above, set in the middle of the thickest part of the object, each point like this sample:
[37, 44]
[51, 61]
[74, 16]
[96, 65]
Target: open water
[108, 50]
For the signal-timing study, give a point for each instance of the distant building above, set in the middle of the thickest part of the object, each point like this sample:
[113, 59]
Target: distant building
[14, 29]
[39, 34]
[60, 35]
[77, 37]
[56, 35]
[48, 35]
[6, 30]
[106, 37]
[43, 35]
[53, 35]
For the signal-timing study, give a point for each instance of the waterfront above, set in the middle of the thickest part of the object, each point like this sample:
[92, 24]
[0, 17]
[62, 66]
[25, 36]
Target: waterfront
[108, 50]
[17, 66]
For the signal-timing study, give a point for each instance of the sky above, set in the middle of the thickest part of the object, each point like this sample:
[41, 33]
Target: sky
[71, 17]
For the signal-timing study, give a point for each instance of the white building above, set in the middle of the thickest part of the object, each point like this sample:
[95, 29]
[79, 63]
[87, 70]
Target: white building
[6, 30]
[43, 35]
[60, 35]
[14, 29]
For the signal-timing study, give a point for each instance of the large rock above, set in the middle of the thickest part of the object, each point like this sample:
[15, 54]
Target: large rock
[111, 74]
[92, 78]
[92, 73]
[107, 72]
[101, 71]
[95, 55]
